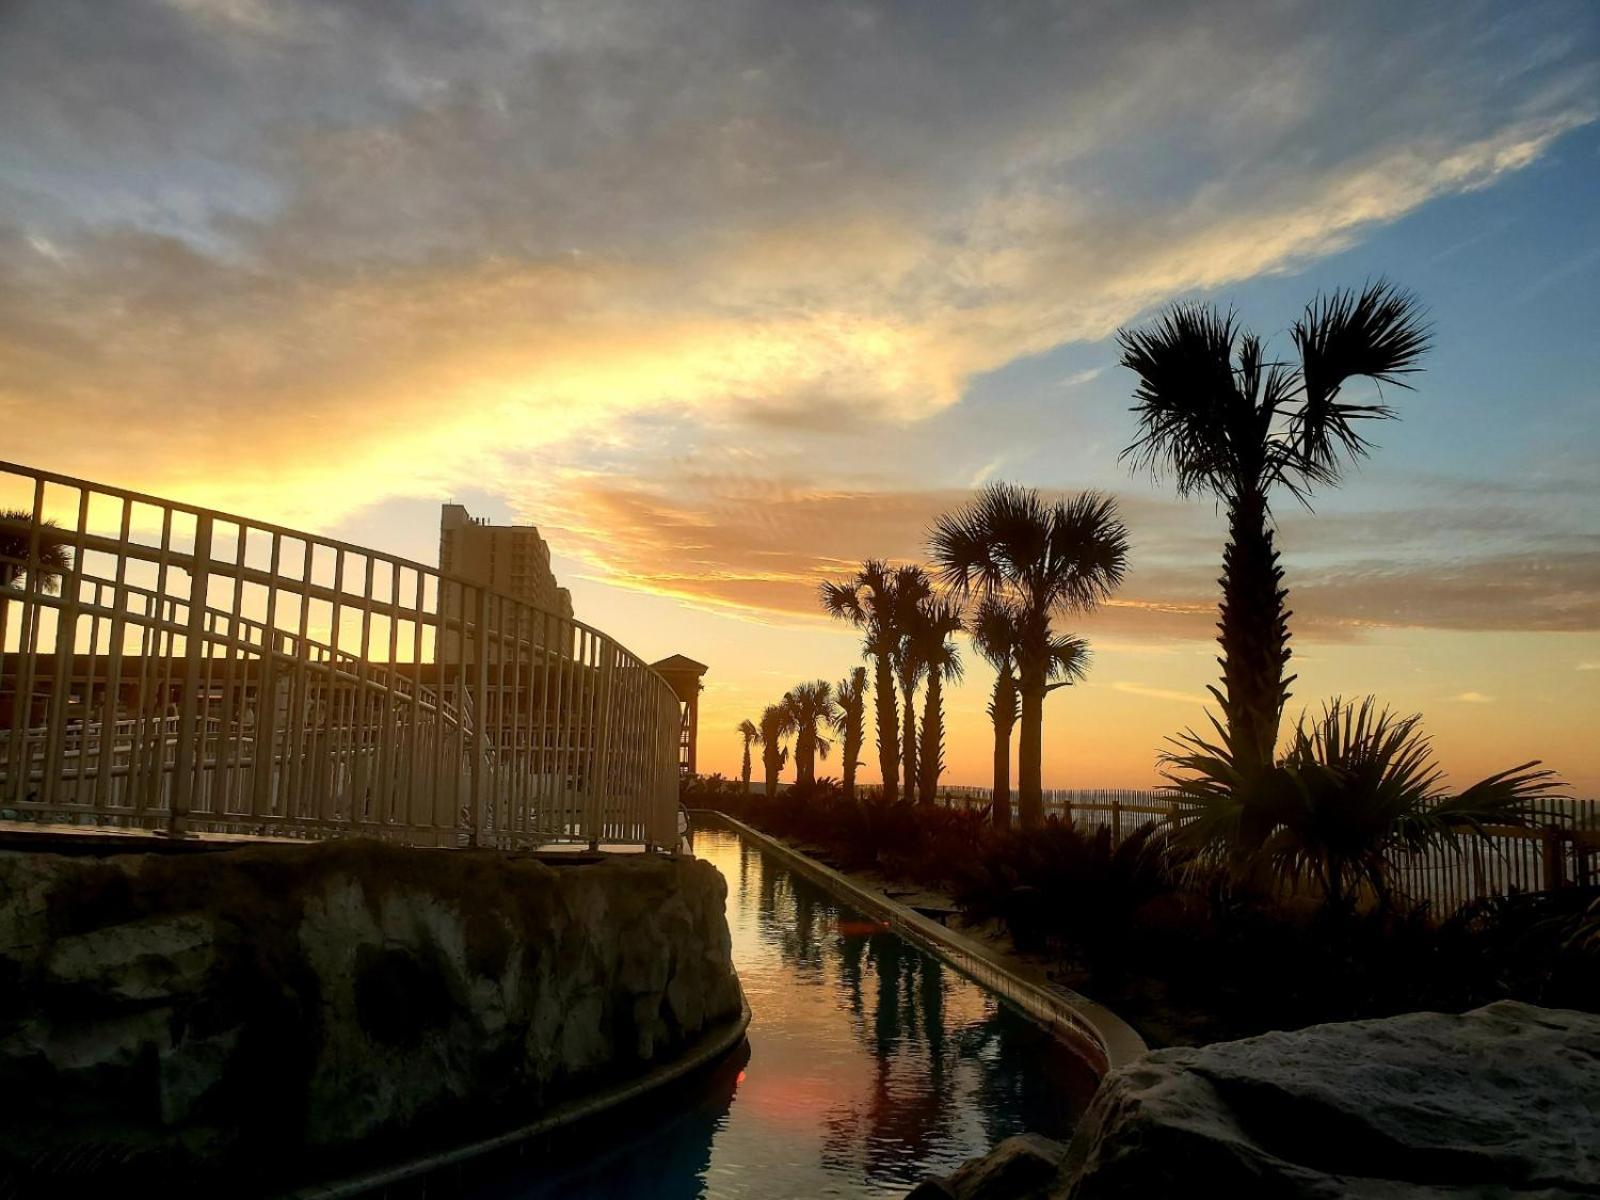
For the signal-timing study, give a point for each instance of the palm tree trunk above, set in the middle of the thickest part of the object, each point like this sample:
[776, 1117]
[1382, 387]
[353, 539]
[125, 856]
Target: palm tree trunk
[773, 764]
[932, 750]
[1030, 748]
[852, 752]
[1254, 635]
[888, 730]
[908, 739]
[746, 772]
[1003, 711]
[805, 757]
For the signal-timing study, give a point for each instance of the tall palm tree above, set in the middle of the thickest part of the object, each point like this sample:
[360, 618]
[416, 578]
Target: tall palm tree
[941, 659]
[994, 635]
[912, 591]
[849, 711]
[1042, 559]
[1224, 420]
[867, 601]
[776, 725]
[809, 705]
[748, 731]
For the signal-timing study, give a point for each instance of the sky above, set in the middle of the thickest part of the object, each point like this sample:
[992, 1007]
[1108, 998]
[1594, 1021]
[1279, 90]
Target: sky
[726, 297]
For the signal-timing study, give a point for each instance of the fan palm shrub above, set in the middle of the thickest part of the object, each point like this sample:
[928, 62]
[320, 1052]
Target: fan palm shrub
[847, 717]
[1356, 787]
[1041, 559]
[868, 601]
[1224, 419]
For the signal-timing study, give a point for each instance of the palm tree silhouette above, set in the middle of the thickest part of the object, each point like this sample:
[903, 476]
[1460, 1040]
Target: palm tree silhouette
[1040, 559]
[54, 558]
[912, 590]
[867, 601]
[849, 709]
[1222, 418]
[808, 706]
[941, 660]
[776, 724]
[748, 731]
[994, 635]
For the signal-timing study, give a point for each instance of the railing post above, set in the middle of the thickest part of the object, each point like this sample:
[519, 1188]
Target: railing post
[183, 763]
[480, 711]
[600, 776]
[1554, 864]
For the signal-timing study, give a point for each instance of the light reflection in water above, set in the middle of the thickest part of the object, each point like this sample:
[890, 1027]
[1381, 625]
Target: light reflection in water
[870, 1065]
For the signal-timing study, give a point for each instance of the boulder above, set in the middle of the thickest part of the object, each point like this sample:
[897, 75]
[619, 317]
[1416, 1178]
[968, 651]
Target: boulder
[1019, 1168]
[1503, 1102]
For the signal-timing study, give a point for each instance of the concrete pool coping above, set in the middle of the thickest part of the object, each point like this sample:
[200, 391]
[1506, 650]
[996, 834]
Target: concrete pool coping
[712, 1047]
[1103, 1039]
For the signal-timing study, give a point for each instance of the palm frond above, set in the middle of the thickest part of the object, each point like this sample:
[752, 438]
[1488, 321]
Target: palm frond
[1380, 334]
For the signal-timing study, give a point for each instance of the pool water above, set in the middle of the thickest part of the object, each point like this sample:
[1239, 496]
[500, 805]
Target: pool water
[871, 1065]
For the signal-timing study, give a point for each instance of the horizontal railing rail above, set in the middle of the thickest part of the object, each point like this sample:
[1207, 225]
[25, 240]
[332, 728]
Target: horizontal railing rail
[168, 666]
[1559, 845]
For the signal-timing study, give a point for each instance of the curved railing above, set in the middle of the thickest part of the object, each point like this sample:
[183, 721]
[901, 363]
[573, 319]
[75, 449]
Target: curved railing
[167, 666]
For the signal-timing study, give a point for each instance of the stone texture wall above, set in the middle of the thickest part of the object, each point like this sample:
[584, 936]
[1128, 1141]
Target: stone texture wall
[287, 1009]
[1503, 1101]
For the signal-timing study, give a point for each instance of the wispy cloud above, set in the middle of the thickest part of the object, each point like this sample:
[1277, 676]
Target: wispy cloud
[1475, 698]
[1158, 693]
[383, 250]
[1079, 378]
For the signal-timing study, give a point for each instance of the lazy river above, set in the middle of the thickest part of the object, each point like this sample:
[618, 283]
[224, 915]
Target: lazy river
[871, 1064]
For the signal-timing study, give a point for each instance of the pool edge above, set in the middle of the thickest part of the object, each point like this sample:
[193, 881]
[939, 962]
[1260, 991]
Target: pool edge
[1072, 1017]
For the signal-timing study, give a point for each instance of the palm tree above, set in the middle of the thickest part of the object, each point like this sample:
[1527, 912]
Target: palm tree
[994, 635]
[867, 601]
[776, 725]
[1224, 420]
[748, 731]
[54, 555]
[1355, 787]
[808, 705]
[849, 710]
[941, 660]
[1040, 559]
[912, 590]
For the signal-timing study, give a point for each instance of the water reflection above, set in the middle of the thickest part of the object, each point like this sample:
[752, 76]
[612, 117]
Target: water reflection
[870, 1065]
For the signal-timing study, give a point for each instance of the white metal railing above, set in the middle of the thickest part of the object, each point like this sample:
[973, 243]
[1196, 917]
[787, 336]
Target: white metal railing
[167, 666]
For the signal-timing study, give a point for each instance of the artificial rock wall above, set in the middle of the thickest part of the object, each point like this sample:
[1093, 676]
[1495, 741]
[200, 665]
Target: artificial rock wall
[289, 1011]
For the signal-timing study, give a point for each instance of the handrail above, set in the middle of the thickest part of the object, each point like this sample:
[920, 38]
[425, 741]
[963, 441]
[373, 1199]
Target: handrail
[315, 686]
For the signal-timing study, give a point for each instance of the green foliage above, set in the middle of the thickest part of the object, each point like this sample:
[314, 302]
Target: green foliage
[1354, 787]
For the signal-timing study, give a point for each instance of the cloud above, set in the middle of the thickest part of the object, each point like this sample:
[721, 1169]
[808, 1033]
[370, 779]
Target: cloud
[298, 258]
[1157, 693]
[1475, 698]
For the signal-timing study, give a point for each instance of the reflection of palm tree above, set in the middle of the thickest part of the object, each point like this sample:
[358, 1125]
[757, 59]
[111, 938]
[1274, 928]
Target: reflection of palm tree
[867, 601]
[849, 706]
[941, 659]
[776, 725]
[748, 731]
[1225, 420]
[1040, 559]
[808, 705]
